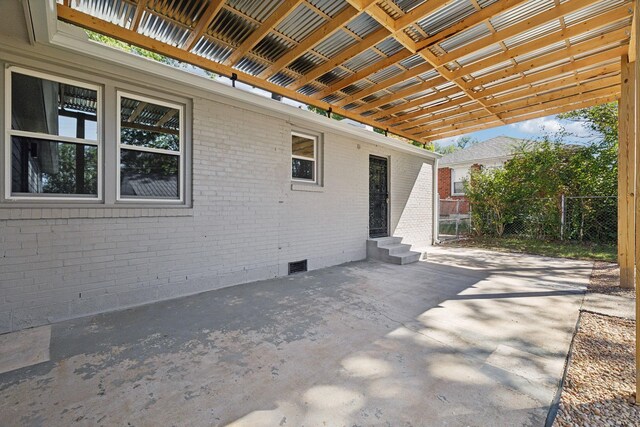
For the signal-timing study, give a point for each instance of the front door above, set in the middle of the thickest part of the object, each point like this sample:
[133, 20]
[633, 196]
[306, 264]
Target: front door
[378, 197]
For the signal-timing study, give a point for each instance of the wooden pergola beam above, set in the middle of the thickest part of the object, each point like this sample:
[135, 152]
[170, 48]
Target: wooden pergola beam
[544, 84]
[141, 6]
[536, 97]
[320, 34]
[470, 21]
[359, 47]
[420, 101]
[532, 115]
[203, 23]
[433, 110]
[533, 96]
[412, 90]
[516, 29]
[265, 28]
[359, 75]
[636, 37]
[439, 116]
[585, 47]
[405, 75]
[420, 12]
[524, 84]
[92, 23]
[589, 25]
[626, 174]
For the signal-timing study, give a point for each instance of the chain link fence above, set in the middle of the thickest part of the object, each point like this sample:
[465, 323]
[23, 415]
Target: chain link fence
[572, 218]
[454, 220]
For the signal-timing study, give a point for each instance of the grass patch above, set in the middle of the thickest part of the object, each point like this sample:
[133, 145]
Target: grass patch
[574, 250]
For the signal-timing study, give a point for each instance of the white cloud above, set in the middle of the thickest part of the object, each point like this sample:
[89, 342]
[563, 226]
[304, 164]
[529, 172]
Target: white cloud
[551, 125]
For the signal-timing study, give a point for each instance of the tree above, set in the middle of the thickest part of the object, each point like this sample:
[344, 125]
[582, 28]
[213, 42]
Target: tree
[529, 186]
[466, 141]
[109, 41]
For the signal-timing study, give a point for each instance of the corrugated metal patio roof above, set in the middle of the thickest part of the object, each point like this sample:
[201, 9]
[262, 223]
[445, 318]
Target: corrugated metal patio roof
[421, 69]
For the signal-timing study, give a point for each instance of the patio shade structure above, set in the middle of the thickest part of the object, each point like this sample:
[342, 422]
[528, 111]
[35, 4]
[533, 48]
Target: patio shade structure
[422, 70]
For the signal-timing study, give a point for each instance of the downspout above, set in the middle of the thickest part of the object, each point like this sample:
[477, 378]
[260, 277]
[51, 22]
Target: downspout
[436, 204]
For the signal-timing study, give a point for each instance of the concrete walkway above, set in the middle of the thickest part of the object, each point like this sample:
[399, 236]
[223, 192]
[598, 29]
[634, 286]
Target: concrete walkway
[468, 337]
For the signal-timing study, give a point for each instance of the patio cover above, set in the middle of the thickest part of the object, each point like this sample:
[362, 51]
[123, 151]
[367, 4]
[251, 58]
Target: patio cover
[420, 69]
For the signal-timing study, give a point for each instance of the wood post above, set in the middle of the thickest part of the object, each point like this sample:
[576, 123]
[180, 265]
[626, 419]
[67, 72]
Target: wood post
[626, 174]
[635, 36]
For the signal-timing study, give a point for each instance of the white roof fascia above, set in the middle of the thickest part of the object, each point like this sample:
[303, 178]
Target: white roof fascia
[477, 161]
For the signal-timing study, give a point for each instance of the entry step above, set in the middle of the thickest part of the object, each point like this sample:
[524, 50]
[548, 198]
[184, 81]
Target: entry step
[391, 250]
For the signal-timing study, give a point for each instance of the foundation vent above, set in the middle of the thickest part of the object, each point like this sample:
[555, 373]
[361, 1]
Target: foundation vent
[297, 267]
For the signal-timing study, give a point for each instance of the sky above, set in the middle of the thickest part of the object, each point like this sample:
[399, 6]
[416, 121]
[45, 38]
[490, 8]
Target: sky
[530, 129]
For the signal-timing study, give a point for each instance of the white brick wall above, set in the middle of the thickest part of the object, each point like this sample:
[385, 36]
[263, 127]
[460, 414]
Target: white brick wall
[246, 224]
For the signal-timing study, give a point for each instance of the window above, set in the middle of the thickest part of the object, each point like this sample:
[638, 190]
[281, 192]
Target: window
[304, 157]
[53, 145]
[458, 178]
[150, 149]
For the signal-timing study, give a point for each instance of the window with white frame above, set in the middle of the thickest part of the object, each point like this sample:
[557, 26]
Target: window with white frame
[53, 144]
[304, 158]
[150, 149]
[458, 178]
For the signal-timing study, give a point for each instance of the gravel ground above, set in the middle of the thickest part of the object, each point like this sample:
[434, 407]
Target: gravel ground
[599, 388]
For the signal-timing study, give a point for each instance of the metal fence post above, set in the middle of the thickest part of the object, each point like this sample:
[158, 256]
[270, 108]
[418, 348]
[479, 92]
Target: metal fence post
[563, 207]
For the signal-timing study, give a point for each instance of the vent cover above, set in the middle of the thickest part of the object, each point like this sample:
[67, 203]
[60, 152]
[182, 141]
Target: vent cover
[297, 267]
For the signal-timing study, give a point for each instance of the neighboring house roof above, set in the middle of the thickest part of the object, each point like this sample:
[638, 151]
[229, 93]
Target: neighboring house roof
[498, 147]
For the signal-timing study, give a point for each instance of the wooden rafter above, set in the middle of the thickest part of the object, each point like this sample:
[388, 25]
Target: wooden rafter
[514, 30]
[420, 101]
[549, 39]
[404, 93]
[90, 22]
[403, 76]
[461, 94]
[267, 26]
[362, 74]
[367, 42]
[429, 111]
[203, 23]
[141, 6]
[322, 33]
[528, 114]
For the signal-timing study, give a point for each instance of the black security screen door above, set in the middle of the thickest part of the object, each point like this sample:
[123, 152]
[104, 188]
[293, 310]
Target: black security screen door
[378, 197]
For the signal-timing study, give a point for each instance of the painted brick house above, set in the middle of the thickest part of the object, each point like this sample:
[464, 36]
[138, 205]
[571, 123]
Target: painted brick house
[127, 181]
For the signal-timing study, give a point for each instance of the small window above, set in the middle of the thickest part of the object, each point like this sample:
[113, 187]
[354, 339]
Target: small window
[54, 148]
[458, 178]
[304, 157]
[151, 149]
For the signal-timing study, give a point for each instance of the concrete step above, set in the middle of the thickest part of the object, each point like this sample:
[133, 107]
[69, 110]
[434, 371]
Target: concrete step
[391, 250]
[405, 258]
[386, 241]
[395, 249]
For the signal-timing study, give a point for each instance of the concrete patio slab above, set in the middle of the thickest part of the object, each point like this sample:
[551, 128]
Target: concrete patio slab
[466, 338]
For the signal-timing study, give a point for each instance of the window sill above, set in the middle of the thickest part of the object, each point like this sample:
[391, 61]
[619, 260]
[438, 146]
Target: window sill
[22, 211]
[311, 187]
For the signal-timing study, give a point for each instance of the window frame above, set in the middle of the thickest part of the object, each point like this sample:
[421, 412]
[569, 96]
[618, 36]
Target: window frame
[453, 183]
[316, 140]
[9, 133]
[182, 175]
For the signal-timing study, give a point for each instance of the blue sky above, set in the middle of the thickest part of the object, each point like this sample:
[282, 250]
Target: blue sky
[530, 129]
